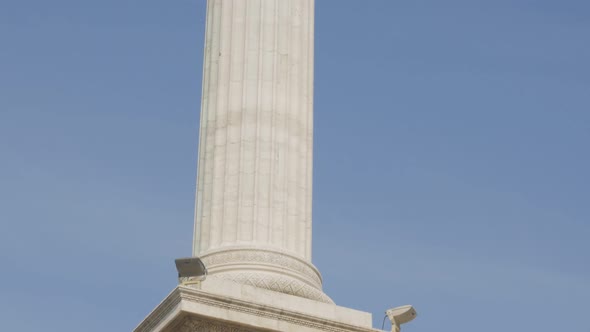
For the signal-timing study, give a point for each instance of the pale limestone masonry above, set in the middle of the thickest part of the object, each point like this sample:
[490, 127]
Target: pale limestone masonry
[254, 185]
[218, 305]
[253, 206]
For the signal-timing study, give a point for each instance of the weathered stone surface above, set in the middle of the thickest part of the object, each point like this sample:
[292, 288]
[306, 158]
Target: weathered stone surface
[254, 182]
[253, 206]
[219, 305]
[196, 324]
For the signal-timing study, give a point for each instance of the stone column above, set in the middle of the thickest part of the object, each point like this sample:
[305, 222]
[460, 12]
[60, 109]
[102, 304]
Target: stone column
[254, 184]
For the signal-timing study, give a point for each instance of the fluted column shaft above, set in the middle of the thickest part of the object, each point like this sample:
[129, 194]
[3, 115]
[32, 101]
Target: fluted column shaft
[254, 182]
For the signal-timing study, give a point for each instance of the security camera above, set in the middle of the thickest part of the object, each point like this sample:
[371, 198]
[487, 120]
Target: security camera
[400, 315]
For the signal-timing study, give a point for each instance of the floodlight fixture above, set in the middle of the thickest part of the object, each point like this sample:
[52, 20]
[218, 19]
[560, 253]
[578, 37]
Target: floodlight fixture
[400, 315]
[190, 270]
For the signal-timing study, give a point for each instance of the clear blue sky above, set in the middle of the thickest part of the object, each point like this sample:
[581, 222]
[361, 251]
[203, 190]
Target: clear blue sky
[452, 160]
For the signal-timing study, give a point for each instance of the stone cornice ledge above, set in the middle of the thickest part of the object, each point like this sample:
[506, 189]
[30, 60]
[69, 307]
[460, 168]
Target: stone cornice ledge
[267, 314]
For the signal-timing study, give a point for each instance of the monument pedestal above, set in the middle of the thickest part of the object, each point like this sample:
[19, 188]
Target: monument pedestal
[224, 306]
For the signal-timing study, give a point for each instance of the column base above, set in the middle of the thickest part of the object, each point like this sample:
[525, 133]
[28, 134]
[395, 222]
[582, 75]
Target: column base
[268, 269]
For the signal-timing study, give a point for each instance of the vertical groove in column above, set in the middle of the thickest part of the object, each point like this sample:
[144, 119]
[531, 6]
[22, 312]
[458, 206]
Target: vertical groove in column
[272, 165]
[278, 192]
[309, 127]
[301, 176]
[260, 153]
[293, 235]
[214, 14]
[302, 133]
[221, 139]
[303, 188]
[213, 181]
[240, 57]
[241, 109]
[264, 131]
[234, 111]
[202, 155]
[256, 86]
[249, 120]
[296, 126]
[286, 225]
[300, 160]
[259, 87]
[295, 112]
